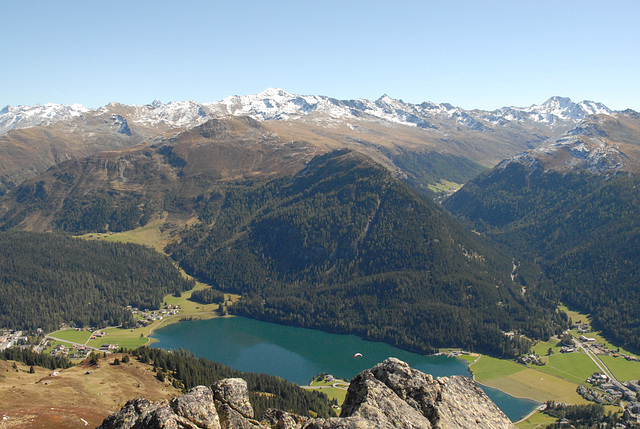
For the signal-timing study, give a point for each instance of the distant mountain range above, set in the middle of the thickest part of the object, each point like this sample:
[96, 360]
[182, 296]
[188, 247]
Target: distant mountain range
[400, 135]
[275, 103]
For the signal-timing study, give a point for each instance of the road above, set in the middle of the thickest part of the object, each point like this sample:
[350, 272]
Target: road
[596, 360]
[70, 342]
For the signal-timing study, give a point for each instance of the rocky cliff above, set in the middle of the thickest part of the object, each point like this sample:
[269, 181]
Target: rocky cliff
[389, 395]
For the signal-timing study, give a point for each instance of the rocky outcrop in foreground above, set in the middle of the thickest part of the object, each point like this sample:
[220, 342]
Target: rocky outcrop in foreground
[389, 395]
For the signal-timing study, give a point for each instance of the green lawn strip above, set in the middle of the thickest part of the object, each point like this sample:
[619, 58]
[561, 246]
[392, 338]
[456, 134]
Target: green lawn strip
[468, 358]
[536, 420]
[332, 392]
[127, 338]
[489, 368]
[575, 316]
[444, 186]
[541, 347]
[148, 235]
[72, 335]
[575, 367]
[190, 308]
[621, 368]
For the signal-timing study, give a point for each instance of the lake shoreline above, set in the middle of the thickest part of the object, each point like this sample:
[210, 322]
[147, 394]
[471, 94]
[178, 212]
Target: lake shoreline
[299, 354]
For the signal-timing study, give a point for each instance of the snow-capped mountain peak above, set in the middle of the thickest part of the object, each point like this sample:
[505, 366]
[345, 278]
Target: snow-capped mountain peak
[277, 104]
[16, 117]
[587, 146]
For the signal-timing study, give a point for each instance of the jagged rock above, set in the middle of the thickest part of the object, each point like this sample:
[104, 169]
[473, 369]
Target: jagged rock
[194, 410]
[198, 407]
[463, 404]
[415, 388]
[129, 415]
[371, 400]
[391, 395]
[233, 391]
[447, 402]
[163, 417]
[279, 419]
[232, 419]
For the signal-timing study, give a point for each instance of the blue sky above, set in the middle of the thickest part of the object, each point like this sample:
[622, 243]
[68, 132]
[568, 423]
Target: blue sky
[472, 54]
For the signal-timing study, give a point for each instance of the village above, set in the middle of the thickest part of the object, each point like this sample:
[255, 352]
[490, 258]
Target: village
[146, 316]
[10, 339]
[75, 343]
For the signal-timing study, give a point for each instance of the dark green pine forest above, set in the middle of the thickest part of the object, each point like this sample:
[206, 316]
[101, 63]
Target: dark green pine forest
[583, 229]
[346, 247]
[47, 279]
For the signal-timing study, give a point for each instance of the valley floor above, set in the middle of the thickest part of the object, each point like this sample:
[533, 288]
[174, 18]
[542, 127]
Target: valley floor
[557, 379]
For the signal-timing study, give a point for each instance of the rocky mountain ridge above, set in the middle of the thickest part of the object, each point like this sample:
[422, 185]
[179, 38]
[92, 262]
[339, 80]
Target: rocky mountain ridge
[275, 103]
[599, 144]
[389, 395]
[404, 137]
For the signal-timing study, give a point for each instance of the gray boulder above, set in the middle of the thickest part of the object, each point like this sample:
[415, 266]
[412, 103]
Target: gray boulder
[391, 395]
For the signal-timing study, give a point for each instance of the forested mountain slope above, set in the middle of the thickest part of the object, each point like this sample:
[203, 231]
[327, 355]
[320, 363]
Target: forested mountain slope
[49, 279]
[336, 241]
[344, 246]
[574, 207]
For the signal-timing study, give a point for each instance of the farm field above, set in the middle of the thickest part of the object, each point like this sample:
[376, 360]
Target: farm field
[72, 335]
[541, 347]
[150, 235]
[524, 382]
[621, 368]
[133, 338]
[575, 367]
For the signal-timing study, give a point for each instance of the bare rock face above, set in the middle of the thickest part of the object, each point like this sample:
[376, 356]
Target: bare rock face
[198, 407]
[391, 395]
[408, 398]
[233, 391]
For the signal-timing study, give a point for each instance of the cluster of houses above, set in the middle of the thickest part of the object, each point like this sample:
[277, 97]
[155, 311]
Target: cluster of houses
[599, 349]
[11, 339]
[147, 316]
[632, 412]
[581, 327]
[605, 391]
[76, 352]
[108, 347]
[532, 359]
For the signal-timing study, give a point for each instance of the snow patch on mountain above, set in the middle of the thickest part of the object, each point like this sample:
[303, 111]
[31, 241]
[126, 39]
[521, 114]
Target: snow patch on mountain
[172, 115]
[277, 104]
[17, 117]
[584, 147]
[554, 110]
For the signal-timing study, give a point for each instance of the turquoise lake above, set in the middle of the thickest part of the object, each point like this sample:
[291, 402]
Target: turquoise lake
[298, 354]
